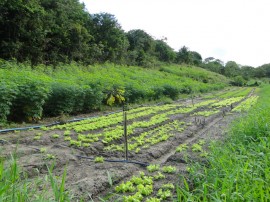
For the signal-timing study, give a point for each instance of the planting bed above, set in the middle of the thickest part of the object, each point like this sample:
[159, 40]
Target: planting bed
[166, 137]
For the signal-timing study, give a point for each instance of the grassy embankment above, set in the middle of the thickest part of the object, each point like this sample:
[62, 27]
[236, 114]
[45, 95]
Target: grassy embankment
[238, 167]
[29, 93]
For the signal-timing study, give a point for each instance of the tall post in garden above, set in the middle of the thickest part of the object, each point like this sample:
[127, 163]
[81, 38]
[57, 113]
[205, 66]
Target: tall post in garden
[125, 129]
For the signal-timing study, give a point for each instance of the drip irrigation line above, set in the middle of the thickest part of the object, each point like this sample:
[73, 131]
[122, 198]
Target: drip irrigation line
[53, 124]
[117, 161]
[91, 158]
[69, 121]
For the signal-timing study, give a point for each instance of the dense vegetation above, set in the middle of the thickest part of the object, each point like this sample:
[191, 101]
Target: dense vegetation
[238, 169]
[28, 93]
[62, 31]
[50, 32]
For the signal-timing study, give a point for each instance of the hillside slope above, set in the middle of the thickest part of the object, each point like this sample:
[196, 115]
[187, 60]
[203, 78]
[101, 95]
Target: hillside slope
[28, 93]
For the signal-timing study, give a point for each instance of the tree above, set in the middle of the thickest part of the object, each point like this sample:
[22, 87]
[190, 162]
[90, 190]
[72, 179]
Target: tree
[111, 38]
[21, 33]
[264, 70]
[67, 38]
[214, 65]
[141, 49]
[184, 56]
[231, 69]
[196, 58]
[247, 72]
[238, 81]
[164, 52]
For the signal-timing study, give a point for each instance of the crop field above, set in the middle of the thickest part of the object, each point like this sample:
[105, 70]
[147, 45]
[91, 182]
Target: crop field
[162, 140]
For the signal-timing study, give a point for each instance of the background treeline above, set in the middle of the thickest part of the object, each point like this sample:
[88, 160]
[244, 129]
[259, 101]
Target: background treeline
[61, 31]
[28, 93]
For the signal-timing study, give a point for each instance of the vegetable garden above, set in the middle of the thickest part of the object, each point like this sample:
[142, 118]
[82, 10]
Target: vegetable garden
[162, 137]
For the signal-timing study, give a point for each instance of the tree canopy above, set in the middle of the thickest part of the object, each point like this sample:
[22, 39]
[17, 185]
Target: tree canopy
[61, 31]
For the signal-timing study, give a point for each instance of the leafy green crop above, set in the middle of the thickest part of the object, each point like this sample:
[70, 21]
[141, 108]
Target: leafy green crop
[169, 169]
[167, 186]
[125, 187]
[153, 168]
[182, 147]
[99, 159]
[164, 194]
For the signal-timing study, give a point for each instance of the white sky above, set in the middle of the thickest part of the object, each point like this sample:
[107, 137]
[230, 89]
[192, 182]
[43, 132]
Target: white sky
[235, 30]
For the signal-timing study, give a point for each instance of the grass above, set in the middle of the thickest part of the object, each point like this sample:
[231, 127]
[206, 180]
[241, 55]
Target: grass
[28, 94]
[16, 186]
[238, 168]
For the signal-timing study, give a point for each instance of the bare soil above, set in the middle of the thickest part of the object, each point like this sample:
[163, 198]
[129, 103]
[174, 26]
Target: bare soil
[90, 180]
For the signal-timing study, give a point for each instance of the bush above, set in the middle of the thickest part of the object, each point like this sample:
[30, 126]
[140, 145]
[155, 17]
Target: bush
[171, 91]
[157, 92]
[62, 99]
[8, 93]
[93, 98]
[238, 81]
[30, 99]
[134, 94]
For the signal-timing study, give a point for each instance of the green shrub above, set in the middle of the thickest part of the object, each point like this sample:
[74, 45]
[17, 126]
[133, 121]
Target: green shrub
[171, 91]
[29, 101]
[93, 98]
[8, 93]
[62, 99]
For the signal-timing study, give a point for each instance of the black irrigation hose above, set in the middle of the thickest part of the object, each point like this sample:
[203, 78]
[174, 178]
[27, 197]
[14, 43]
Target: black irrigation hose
[91, 158]
[70, 121]
[117, 161]
[53, 124]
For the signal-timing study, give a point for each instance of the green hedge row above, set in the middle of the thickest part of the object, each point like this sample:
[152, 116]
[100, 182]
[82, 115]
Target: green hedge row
[29, 93]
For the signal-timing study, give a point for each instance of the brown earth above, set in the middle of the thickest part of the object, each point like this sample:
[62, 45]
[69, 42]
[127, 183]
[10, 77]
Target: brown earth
[90, 180]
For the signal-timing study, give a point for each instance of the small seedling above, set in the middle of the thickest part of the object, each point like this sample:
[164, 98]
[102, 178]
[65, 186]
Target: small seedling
[67, 133]
[76, 143]
[37, 138]
[43, 150]
[67, 138]
[164, 194]
[153, 168]
[201, 142]
[153, 199]
[137, 150]
[136, 197]
[137, 180]
[182, 147]
[196, 148]
[44, 128]
[50, 156]
[125, 187]
[55, 136]
[204, 154]
[168, 169]
[99, 159]
[159, 176]
[145, 190]
[167, 186]
[86, 144]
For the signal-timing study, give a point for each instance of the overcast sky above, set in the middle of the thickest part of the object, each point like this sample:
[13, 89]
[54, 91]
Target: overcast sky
[237, 30]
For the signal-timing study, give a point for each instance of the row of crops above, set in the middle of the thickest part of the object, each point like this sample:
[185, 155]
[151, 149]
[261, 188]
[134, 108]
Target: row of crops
[150, 129]
[29, 93]
[155, 184]
[147, 126]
